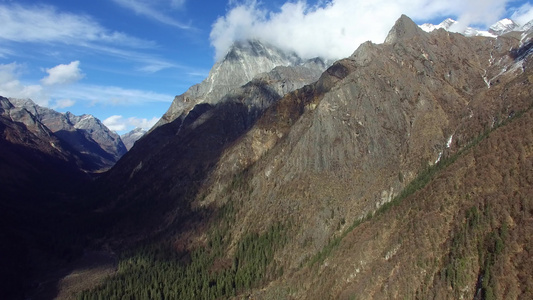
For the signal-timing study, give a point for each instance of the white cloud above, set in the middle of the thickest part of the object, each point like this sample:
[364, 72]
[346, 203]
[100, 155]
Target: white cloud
[177, 4]
[115, 123]
[110, 95]
[155, 10]
[143, 123]
[119, 123]
[524, 14]
[334, 29]
[11, 86]
[63, 74]
[4, 52]
[52, 27]
[42, 23]
[63, 103]
[150, 62]
[55, 28]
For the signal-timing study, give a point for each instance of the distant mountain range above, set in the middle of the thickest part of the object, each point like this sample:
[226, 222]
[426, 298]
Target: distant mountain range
[96, 147]
[499, 28]
[99, 147]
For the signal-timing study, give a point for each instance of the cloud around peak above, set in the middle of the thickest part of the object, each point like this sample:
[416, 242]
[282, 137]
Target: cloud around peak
[334, 29]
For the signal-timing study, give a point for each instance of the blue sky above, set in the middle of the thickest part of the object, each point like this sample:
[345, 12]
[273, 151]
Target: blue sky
[125, 60]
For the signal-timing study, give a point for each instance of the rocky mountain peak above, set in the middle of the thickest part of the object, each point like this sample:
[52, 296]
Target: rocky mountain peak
[246, 49]
[245, 60]
[131, 137]
[446, 24]
[404, 28]
[503, 26]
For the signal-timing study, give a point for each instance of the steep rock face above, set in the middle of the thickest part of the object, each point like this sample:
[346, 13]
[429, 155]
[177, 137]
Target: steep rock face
[99, 147]
[168, 165]
[131, 137]
[464, 235]
[403, 30]
[402, 101]
[242, 63]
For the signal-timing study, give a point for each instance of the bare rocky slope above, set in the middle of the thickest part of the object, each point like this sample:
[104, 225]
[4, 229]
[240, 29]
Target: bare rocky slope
[319, 175]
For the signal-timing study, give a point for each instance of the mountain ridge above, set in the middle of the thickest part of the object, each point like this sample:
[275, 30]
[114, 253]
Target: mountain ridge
[98, 146]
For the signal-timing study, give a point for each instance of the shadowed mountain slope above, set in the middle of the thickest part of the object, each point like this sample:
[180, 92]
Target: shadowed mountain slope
[39, 176]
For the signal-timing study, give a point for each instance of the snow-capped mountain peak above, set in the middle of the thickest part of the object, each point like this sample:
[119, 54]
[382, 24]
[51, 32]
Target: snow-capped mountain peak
[446, 24]
[503, 26]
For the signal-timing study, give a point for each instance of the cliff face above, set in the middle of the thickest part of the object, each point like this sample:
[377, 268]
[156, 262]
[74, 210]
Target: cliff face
[323, 157]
